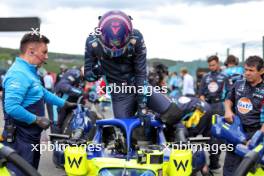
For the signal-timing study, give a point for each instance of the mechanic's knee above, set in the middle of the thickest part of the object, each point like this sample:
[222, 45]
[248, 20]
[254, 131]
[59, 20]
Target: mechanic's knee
[172, 115]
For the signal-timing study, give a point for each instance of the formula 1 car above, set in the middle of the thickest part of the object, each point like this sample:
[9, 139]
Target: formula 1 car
[123, 147]
[9, 155]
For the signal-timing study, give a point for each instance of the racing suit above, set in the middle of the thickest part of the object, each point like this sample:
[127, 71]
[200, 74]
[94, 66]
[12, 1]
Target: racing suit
[128, 70]
[69, 88]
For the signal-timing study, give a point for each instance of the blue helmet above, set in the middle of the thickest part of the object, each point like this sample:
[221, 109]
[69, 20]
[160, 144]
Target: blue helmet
[116, 28]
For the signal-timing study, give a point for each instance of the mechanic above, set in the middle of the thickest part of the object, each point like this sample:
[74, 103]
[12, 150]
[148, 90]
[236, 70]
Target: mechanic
[213, 90]
[233, 71]
[213, 86]
[70, 88]
[175, 83]
[120, 51]
[188, 105]
[246, 100]
[196, 123]
[23, 100]
[158, 75]
[63, 69]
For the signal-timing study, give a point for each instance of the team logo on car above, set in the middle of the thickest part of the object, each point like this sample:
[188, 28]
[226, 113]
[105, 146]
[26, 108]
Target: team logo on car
[213, 87]
[244, 105]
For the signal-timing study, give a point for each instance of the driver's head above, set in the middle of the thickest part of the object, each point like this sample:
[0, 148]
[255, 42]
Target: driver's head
[116, 28]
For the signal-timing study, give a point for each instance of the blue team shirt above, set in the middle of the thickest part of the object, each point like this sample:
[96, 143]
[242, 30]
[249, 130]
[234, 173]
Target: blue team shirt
[23, 88]
[233, 74]
[234, 70]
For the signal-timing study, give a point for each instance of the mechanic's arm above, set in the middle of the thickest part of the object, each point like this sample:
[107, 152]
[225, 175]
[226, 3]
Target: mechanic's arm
[227, 87]
[229, 102]
[15, 91]
[202, 89]
[140, 63]
[228, 111]
[90, 59]
[50, 98]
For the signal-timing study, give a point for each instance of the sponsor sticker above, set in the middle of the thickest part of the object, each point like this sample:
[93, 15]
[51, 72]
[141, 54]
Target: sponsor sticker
[213, 87]
[244, 105]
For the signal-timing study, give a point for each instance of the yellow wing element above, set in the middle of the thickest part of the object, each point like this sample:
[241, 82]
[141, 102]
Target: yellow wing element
[259, 172]
[3, 169]
[75, 161]
[180, 163]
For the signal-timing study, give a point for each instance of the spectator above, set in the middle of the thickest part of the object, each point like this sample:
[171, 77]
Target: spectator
[188, 83]
[48, 81]
[175, 83]
[63, 69]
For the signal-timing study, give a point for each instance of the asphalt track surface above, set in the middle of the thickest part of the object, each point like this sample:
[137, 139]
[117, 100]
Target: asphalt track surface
[46, 166]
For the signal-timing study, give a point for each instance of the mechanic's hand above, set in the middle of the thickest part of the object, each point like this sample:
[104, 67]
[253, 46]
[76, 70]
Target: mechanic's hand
[229, 115]
[90, 76]
[248, 142]
[69, 105]
[43, 122]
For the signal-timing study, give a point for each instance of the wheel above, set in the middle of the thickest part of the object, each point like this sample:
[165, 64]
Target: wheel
[58, 159]
[65, 129]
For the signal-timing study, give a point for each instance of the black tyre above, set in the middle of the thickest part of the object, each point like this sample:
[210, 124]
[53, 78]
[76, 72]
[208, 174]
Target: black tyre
[93, 117]
[65, 129]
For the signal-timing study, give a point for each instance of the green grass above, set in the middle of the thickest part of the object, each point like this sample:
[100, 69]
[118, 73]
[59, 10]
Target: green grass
[53, 63]
[54, 66]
